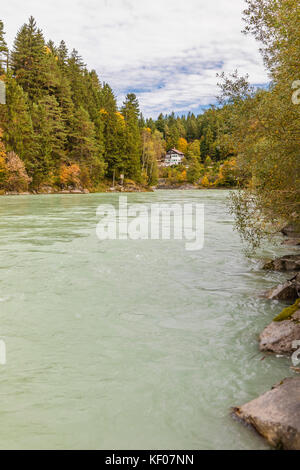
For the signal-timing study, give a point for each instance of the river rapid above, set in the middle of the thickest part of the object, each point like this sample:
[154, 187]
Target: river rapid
[128, 344]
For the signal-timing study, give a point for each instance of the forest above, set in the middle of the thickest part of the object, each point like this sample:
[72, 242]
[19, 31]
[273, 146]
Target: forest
[61, 126]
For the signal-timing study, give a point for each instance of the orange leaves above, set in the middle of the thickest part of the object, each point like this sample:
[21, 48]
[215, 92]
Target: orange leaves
[17, 177]
[70, 175]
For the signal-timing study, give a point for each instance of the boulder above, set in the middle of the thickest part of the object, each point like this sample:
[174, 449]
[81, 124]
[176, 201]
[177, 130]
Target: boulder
[276, 414]
[285, 263]
[291, 231]
[289, 290]
[291, 242]
[278, 336]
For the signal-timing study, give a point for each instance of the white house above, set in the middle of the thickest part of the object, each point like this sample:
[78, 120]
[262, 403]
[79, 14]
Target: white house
[173, 157]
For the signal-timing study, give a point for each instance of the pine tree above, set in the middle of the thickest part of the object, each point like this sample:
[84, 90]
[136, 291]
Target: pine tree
[113, 131]
[76, 72]
[17, 124]
[28, 59]
[130, 111]
[50, 135]
[83, 139]
[3, 50]
[62, 55]
[51, 47]
[160, 124]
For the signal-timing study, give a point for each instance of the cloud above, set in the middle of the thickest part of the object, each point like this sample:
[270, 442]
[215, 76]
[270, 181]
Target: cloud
[167, 51]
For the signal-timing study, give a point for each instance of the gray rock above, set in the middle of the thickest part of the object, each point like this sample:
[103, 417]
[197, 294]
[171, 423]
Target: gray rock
[276, 414]
[291, 231]
[292, 242]
[289, 290]
[278, 337]
[285, 263]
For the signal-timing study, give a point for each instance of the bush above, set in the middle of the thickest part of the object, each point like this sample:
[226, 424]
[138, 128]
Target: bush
[17, 178]
[70, 175]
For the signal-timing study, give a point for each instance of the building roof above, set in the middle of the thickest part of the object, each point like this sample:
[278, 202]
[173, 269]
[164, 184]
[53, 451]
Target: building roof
[175, 151]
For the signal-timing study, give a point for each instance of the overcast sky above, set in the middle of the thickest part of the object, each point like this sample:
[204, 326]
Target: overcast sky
[166, 51]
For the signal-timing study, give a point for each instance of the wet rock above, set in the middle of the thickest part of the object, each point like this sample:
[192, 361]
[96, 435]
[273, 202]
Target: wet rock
[289, 290]
[285, 263]
[292, 242]
[291, 231]
[45, 189]
[278, 336]
[76, 191]
[276, 414]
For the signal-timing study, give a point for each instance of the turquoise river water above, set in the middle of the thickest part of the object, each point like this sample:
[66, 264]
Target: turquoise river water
[128, 344]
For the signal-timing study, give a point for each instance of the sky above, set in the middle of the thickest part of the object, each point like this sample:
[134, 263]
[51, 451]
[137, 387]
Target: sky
[168, 52]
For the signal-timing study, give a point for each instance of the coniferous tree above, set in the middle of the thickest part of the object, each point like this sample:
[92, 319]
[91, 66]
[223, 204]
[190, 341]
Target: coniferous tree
[3, 49]
[62, 53]
[50, 136]
[113, 131]
[17, 125]
[131, 112]
[28, 60]
[83, 141]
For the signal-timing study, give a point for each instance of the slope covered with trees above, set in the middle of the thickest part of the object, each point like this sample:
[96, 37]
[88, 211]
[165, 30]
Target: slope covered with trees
[64, 128]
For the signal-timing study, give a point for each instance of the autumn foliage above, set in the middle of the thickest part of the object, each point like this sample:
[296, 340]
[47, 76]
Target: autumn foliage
[70, 175]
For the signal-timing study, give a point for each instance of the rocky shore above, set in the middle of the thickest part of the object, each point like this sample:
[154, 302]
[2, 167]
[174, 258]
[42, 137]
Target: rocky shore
[276, 413]
[106, 188]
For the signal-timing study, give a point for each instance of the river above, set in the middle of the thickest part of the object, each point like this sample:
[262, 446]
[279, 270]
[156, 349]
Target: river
[128, 344]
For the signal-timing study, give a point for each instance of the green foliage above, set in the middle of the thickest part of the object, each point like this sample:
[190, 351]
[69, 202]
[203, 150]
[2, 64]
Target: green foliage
[265, 125]
[131, 162]
[65, 126]
[3, 49]
[17, 124]
[194, 170]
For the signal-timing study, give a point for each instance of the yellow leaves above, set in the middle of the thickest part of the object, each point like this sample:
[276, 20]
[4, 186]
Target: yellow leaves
[120, 116]
[182, 145]
[47, 50]
[205, 182]
[103, 111]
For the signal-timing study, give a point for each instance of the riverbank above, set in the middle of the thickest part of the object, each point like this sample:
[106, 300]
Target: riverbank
[136, 188]
[104, 188]
[276, 414]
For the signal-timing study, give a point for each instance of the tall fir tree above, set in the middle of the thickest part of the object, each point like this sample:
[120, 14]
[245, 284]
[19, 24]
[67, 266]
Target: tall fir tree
[51, 137]
[132, 159]
[3, 49]
[28, 60]
[17, 125]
